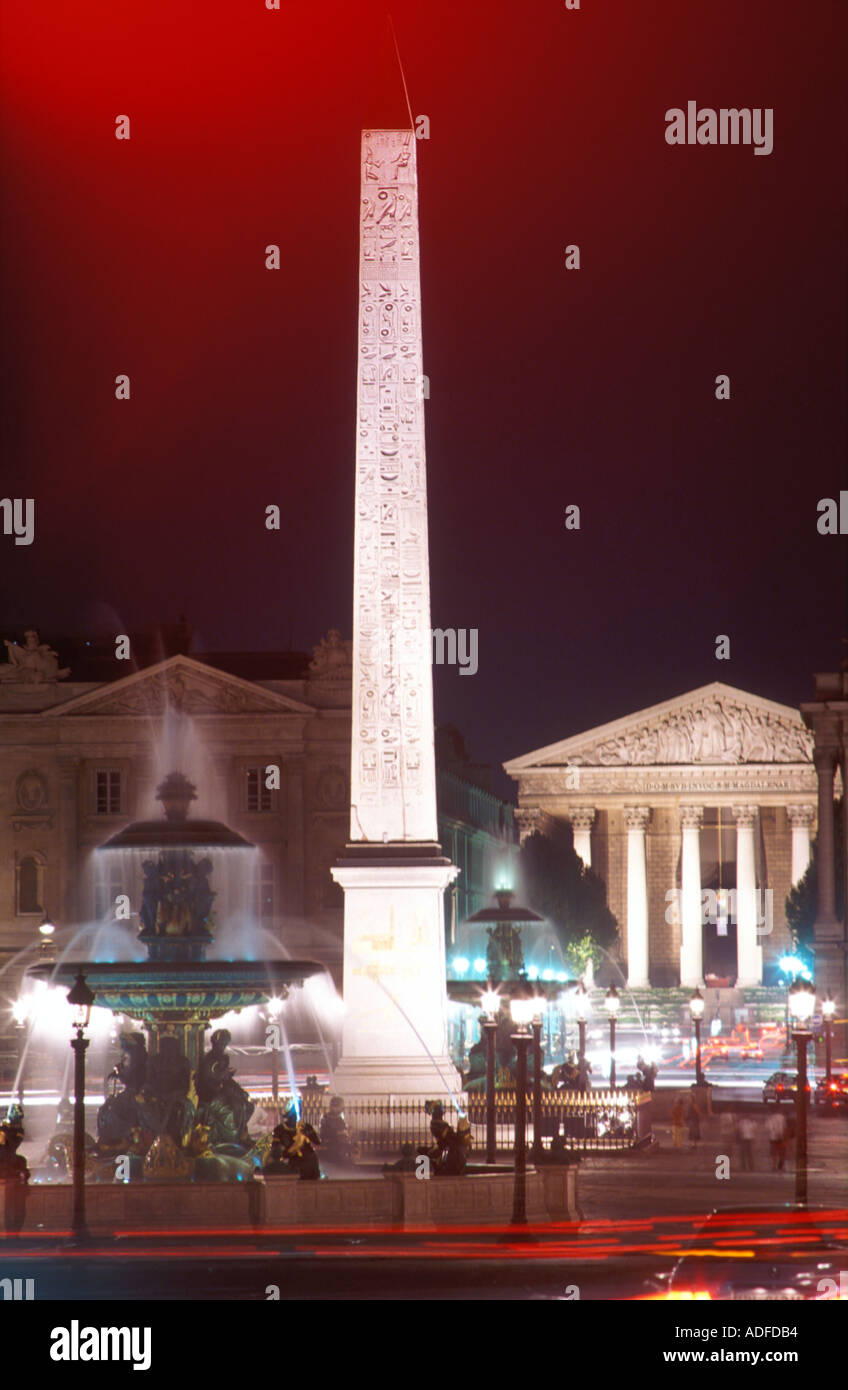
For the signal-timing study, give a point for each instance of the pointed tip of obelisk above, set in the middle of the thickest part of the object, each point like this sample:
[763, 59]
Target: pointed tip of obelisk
[384, 97]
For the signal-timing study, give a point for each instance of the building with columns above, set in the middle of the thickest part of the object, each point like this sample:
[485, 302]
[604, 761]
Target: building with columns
[697, 813]
[827, 717]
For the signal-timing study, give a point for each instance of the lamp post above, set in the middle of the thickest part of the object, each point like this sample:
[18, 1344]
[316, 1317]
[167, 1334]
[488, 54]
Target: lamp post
[802, 1003]
[828, 1009]
[537, 1082]
[522, 1011]
[582, 1007]
[81, 998]
[611, 1004]
[46, 931]
[696, 1009]
[491, 1004]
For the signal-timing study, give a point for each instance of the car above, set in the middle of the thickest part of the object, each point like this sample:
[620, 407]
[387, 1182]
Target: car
[833, 1092]
[750, 1253]
[780, 1086]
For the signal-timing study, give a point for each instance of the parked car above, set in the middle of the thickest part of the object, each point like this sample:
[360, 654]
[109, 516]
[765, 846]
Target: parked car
[781, 1085]
[833, 1092]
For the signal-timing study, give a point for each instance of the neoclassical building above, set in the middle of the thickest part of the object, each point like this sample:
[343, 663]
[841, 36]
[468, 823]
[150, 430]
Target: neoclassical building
[698, 814]
[85, 744]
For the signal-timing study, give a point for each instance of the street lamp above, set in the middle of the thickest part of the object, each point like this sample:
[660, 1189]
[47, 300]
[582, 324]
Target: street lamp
[696, 1009]
[81, 998]
[582, 1008]
[828, 1009]
[537, 1080]
[522, 1011]
[611, 1004]
[491, 1004]
[802, 1003]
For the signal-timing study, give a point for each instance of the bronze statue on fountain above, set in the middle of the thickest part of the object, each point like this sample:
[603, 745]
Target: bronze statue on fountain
[172, 1119]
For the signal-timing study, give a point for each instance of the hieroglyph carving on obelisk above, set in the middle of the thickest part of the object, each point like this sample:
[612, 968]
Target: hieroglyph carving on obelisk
[393, 786]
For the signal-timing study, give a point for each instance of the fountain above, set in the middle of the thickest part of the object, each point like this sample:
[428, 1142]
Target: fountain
[175, 1110]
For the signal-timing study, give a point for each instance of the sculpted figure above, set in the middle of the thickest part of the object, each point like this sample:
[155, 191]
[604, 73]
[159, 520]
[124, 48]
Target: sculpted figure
[202, 896]
[215, 1083]
[32, 664]
[149, 896]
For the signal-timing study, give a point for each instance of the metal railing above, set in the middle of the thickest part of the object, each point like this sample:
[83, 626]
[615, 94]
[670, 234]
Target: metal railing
[571, 1121]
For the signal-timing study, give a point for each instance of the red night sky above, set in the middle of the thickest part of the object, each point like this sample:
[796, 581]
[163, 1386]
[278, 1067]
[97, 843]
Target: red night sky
[548, 387]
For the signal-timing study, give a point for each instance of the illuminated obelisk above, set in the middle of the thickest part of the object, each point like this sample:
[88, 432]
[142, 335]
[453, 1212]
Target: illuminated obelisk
[393, 872]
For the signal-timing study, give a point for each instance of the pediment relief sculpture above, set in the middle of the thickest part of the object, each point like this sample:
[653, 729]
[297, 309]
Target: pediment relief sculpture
[719, 730]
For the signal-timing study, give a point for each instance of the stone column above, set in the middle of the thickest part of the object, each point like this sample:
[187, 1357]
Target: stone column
[293, 854]
[636, 819]
[531, 819]
[749, 952]
[582, 820]
[61, 881]
[801, 819]
[691, 956]
[825, 761]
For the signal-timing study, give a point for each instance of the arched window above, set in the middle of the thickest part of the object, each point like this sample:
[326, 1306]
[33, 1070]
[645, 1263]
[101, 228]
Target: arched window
[30, 885]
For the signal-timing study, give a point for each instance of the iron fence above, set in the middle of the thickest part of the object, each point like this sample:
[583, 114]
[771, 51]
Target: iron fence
[571, 1121]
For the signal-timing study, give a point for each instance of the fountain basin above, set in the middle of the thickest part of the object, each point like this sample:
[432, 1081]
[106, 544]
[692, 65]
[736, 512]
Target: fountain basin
[158, 990]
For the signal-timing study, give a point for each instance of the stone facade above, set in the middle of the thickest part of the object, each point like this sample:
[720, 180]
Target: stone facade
[698, 815]
[83, 756]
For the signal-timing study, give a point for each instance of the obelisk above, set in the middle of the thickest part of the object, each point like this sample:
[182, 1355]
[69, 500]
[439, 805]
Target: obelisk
[393, 873]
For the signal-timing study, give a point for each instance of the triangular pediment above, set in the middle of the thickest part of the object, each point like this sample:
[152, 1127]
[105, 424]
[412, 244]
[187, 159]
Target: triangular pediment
[181, 684]
[713, 725]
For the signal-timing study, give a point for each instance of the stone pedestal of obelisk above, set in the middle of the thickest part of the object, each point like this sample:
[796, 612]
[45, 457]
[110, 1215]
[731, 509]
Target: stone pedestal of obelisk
[394, 1040]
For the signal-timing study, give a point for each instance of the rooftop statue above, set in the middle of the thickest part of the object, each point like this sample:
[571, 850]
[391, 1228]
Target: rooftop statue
[330, 654]
[35, 663]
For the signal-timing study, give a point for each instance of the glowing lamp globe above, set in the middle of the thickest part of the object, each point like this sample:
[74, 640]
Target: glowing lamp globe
[696, 1005]
[491, 1003]
[582, 1002]
[612, 1001]
[522, 1011]
[81, 999]
[828, 1007]
[802, 1002]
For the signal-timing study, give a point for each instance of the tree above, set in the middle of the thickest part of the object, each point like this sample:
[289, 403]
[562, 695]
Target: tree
[802, 901]
[573, 898]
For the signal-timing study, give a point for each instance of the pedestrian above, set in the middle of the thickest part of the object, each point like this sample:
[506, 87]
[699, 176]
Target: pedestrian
[678, 1117]
[727, 1129]
[693, 1119]
[776, 1128]
[747, 1132]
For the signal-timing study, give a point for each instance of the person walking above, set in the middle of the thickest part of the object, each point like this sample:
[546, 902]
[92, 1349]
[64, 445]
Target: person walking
[776, 1128]
[727, 1129]
[747, 1133]
[678, 1117]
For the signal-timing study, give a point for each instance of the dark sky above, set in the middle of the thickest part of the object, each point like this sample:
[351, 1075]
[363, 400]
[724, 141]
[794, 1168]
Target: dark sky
[548, 387]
